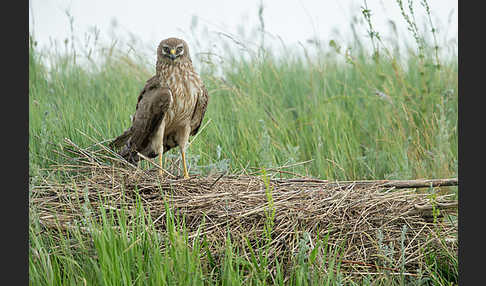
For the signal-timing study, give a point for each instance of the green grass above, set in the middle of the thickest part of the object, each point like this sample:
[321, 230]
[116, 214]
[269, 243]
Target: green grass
[123, 249]
[271, 112]
[264, 111]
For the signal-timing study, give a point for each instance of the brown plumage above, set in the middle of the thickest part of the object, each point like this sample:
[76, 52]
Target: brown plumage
[169, 109]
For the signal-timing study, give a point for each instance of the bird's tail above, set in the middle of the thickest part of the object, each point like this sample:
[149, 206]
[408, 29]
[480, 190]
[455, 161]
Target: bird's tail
[121, 140]
[130, 155]
[126, 152]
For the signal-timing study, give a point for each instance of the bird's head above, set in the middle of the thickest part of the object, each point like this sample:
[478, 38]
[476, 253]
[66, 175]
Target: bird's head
[172, 50]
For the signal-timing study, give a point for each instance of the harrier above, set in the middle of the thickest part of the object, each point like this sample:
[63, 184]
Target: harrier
[169, 109]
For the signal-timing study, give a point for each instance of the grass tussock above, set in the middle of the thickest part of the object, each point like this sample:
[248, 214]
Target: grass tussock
[373, 226]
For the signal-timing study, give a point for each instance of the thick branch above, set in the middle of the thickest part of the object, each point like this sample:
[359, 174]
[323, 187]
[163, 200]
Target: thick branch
[421, 183]
[399, 184]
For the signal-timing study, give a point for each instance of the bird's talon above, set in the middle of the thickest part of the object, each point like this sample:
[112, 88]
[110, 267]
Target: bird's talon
[162, 172]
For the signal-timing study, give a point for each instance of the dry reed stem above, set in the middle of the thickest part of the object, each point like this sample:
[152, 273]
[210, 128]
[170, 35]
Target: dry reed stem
[354, 214]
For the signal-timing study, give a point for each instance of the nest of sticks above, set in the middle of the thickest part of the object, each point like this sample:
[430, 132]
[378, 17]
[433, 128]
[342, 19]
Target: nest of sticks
[375, 225]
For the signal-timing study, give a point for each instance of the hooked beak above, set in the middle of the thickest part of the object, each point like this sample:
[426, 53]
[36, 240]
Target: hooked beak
[172, 54]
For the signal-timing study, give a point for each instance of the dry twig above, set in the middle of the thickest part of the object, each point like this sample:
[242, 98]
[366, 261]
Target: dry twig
[355, 213]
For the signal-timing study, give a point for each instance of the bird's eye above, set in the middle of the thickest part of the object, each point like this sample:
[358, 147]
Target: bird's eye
[179, 50]
[166, 50]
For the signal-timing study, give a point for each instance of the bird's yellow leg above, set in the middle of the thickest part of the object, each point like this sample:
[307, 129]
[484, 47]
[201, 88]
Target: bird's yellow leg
[186, 174]
[182, 138]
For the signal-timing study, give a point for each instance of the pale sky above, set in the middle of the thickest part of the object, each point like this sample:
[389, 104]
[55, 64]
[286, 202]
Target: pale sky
[291, 20]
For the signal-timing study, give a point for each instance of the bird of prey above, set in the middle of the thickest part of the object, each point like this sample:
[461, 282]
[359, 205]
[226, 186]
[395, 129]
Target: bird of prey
[169, 109]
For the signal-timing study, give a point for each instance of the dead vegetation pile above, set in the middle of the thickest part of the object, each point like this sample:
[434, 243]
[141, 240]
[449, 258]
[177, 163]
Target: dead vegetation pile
[376, 225]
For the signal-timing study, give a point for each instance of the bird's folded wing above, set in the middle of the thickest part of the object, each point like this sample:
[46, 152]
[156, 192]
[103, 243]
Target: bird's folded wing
[152, 103]
[151, 109]
[199, 110]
